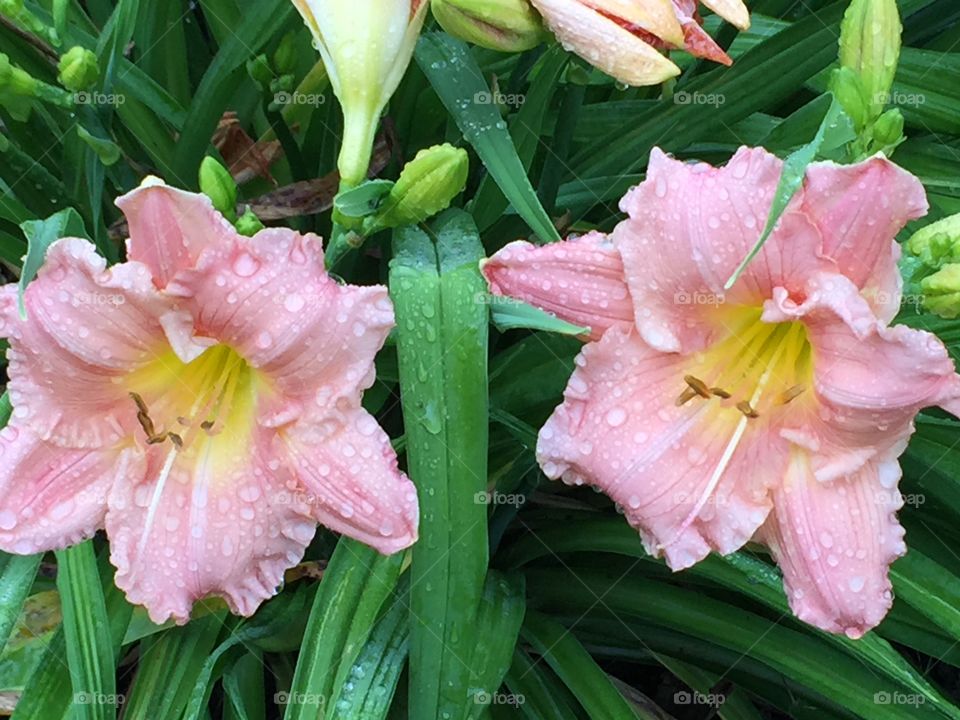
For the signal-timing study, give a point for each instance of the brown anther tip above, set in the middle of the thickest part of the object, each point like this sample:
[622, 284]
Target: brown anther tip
[176, 440]
[720, 392]
[685, 397]
[698, 385]
[791, 393]
[183, 421]
[747, 409]
[206, 424]
[155, 439]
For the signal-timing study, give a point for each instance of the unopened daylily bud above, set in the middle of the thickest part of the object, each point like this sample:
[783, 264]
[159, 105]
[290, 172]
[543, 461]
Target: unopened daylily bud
[938, 243]
[505, 25]
[79, 69]
[218, 184]
[427, 185]
[285, 56]
[23, 17]
[888, 130]
[248, 224]
[14, 80]
[870, 46]
[941, 291]
[846, 87]
[366, 46]
[259, 69]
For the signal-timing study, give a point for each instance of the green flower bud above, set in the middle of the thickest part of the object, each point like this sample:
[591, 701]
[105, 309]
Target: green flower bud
[15, 81]
[259, 69]
[427, 185]
[285, 56]
[846, 87]
[888, 130]
[938, 243]
[505, 25]
[79, 69]
[218, 184]
[21, 16]
[11, 8]
[870, 46]
[248, 224]
[941, 291]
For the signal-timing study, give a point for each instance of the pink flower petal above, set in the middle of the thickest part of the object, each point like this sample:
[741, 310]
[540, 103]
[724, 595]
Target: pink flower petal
[689, 228]
[52, 497]
[858, 210]
[696, 40]
[690, 478]
[270, 298]
[349, 470]
[169, 228]
[86, 328]
[870, 381]
[218, 518]
[733, 11]
[580, 280]
[605, 44]
[834, 542]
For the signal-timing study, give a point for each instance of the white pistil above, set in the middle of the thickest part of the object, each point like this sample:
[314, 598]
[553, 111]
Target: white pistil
[155, 500]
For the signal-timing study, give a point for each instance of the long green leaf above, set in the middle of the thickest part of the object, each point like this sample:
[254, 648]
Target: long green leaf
[458, 81]
[564, 653]
[87, 634]
[442, 348]
[355, 586]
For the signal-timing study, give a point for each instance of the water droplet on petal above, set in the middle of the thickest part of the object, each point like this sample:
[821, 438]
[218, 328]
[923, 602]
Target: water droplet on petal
[616, 417]
[8, 520]
[245, 265]
[293, 303]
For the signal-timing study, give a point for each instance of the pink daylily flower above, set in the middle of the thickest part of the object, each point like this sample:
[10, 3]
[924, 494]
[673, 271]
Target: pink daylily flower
[775, 410]
[201, 402]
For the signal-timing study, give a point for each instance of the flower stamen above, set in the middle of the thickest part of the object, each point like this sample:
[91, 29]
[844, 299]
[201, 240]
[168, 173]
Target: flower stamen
[697, 385]
[790, 394]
